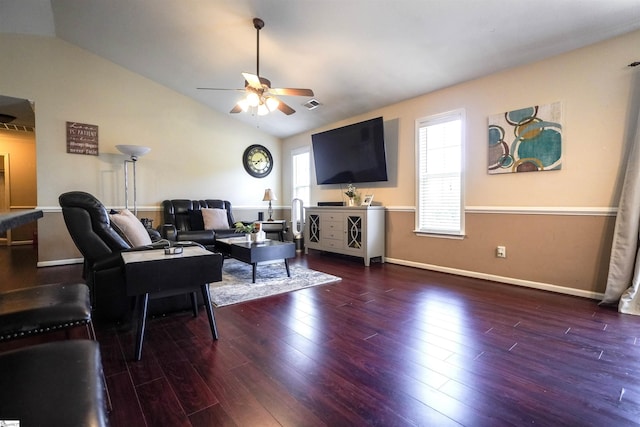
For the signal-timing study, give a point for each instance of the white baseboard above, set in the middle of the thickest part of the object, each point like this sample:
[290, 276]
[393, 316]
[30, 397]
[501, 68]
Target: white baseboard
[59, 262]
[500, 279]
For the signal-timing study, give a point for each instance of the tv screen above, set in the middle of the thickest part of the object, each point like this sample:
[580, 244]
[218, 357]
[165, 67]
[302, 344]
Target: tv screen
[350, 154]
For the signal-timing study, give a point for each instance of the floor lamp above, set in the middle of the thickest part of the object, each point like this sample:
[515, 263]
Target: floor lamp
[134, 151]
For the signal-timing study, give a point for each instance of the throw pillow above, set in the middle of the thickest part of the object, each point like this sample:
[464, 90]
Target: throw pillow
[215, 219]
[195, 219]
[130, 228]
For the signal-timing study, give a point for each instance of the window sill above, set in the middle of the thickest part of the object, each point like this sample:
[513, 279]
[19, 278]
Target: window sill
[439, 235]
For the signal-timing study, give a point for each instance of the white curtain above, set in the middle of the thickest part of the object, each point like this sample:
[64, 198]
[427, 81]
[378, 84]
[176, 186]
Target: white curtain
[623, 281]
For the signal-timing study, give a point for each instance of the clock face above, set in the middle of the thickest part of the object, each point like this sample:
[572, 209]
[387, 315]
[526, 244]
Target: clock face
[257, 161]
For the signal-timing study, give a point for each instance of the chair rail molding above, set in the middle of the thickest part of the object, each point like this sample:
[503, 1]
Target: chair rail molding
[526, 210]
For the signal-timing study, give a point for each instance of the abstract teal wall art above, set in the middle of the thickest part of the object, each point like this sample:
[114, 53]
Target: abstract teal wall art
[526, 140]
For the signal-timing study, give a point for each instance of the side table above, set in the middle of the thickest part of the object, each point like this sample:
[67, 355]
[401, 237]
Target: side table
[151, 272]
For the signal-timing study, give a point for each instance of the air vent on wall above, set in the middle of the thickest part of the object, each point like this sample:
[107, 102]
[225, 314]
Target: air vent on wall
[312, 104]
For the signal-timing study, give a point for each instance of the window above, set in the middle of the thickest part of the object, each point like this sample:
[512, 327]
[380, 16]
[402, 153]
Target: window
[301, 175]
[439, 195]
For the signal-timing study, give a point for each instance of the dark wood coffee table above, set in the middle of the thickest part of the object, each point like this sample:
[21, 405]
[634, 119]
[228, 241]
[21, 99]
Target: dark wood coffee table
[253, 253]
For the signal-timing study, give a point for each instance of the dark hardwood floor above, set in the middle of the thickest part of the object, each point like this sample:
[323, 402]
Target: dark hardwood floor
[388, 345]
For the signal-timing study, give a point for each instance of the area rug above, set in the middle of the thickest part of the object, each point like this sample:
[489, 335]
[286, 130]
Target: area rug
[271, 279]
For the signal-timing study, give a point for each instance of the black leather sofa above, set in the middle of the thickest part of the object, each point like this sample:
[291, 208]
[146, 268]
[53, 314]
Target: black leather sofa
[90, 228]
[182, 221]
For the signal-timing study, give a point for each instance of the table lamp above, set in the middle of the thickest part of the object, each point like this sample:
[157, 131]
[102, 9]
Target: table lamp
[269, 196]
[134, 151]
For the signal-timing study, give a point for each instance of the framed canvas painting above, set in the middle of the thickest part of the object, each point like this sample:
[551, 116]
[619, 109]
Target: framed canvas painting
[526, 140]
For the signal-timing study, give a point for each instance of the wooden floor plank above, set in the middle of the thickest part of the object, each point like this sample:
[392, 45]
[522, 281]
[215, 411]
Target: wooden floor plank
[160, 404]
[284, 408]
[212, 416]
[124, 397]
[189, 386]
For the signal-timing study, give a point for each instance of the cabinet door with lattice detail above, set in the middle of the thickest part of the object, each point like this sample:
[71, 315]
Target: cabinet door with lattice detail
[354, 231]
[314, 228]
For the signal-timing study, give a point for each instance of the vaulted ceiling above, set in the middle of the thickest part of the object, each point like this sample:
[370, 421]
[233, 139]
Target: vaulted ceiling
[356, 55]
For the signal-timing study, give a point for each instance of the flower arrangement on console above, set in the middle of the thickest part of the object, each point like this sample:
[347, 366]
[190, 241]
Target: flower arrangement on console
[352, 194]
[352, 191]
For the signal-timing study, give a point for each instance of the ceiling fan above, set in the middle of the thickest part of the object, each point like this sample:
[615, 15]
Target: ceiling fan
[259, 93]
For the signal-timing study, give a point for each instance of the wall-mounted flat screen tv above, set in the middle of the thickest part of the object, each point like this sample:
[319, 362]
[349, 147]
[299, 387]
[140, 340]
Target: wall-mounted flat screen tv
[350, 154]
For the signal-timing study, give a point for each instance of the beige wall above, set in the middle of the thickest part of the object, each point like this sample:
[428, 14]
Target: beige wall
[196, 152]
[557, 225]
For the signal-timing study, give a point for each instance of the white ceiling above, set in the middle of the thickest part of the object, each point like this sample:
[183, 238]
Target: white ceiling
[357, 55]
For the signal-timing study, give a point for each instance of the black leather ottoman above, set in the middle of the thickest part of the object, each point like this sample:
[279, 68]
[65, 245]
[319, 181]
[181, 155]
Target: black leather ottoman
[53, 384]
[39, 309]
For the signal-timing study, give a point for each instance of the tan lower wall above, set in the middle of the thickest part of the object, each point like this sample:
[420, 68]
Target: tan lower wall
[570, 251]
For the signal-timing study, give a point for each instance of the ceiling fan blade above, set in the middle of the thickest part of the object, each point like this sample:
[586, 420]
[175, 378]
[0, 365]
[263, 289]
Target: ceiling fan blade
[285, 108]
[253, 80]
[291, 91]
[236, 109]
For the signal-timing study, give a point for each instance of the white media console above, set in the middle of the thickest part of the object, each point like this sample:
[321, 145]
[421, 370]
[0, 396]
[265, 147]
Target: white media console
[357, 231]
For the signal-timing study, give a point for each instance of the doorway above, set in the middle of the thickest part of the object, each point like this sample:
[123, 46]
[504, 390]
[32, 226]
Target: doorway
[5, 196]
[17, 161]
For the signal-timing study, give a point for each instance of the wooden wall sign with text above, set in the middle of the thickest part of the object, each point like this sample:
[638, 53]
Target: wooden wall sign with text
[82, 138]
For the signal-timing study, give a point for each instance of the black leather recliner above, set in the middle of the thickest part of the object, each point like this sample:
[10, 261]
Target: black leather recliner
[180, 223]
[100, 244]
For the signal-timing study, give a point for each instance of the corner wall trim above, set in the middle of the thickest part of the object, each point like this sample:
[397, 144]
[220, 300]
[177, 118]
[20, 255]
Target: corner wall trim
[501, 279]
[59, 262]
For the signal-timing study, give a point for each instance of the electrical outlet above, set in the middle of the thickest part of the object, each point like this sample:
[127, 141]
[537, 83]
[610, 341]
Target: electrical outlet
[501, 252]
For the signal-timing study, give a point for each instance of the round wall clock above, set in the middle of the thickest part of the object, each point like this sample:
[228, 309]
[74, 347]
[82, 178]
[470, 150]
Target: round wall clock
[257, 161]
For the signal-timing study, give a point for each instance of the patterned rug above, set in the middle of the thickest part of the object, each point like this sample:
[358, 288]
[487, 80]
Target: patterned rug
[271, 279]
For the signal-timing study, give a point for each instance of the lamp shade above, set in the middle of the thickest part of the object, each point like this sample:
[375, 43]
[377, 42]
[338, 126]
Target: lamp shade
[269, 195]
[134, 151]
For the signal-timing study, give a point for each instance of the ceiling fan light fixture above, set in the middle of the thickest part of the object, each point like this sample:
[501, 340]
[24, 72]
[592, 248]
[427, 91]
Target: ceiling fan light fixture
[244, 104]
[253, 99]
[263, 110]
[272, 103]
